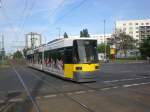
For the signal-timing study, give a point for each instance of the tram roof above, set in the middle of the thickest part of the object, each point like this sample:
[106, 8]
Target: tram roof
[58, 43]
[64, 42]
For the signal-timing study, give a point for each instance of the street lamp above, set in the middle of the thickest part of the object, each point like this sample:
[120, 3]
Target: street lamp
[59, 30]
[104, 41]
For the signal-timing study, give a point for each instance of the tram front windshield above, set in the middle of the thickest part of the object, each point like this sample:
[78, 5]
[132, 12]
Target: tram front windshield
[85, 51]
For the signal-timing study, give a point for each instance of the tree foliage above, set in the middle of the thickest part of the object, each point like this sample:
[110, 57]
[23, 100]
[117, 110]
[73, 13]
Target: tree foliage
[25, 51]
[145, 47]
[65, 35]
[101, 48]
[84, 33]
[123, 42]
[17, 55]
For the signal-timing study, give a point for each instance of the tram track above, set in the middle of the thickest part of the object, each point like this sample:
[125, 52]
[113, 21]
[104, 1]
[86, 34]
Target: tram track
[26, 89]
[70, 94]
[85, 107]
[112, 84]
[64, 89]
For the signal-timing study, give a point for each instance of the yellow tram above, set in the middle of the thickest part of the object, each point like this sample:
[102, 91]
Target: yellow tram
[71, 58]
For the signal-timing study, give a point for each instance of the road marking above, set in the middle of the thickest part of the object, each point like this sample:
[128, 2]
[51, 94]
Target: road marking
[127, 71]
[50, 96]
[125, 79]
[16, 100]
[104, 89]
[115, 87]
[38, 98]
[69, 93]
[1, 101]
[80, 92]
[91, 90]
[130, 85]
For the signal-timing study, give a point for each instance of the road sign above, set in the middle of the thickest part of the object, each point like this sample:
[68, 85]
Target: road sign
[112, 51]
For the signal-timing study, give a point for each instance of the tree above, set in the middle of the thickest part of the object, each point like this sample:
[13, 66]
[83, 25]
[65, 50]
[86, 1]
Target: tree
[145, 47]
[25, 51]
[17, 55]
[101, 48]
[65, 35]
[81, 34]
[123, 42]
[84, 33]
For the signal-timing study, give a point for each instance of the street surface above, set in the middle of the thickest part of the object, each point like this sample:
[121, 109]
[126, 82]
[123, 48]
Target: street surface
[121, 87]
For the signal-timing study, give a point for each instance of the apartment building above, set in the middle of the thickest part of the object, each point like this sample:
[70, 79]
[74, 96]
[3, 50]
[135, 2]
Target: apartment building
[138, 29]
[33, 40]
[100, 37]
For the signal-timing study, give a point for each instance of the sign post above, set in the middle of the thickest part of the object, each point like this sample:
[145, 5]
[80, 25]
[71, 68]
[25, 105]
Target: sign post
[113, 52]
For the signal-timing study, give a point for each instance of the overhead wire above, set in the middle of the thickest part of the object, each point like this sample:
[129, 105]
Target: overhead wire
[26, 15]
[31, 8]
[11, 26]
[69, 11]
[53, 13]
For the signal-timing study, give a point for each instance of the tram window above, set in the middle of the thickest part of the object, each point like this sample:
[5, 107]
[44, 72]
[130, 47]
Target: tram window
[75, 52]
[85, 51]
[68, 55]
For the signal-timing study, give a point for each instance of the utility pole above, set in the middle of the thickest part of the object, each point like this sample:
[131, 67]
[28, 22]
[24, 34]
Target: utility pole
[32, 40]
[2, 49]
[105, 40]
[59, 30]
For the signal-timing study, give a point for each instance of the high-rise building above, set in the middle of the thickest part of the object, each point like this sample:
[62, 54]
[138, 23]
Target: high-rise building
[133, 27]
[144, 32]
[33, 40]
[100, 37]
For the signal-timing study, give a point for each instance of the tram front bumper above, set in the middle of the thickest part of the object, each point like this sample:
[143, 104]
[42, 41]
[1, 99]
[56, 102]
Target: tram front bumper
[86, 76]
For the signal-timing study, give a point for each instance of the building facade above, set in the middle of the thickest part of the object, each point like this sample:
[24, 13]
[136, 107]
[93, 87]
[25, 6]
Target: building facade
[100, 37]
[144, 32]
[134, 27]
[33, 40]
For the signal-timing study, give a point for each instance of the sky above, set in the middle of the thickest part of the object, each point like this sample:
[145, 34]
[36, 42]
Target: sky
[18, 17]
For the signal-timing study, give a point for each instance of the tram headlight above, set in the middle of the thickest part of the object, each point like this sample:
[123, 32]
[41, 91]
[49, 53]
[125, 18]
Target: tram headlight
[78, 68]
[96, 67]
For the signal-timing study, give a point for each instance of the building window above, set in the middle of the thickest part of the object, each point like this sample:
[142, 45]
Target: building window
[137, 31]
[136, 24]
[124, 29]
[130, 23]
[148, 31]
[137, 27]
[124, 24]
[142, 23]
[142, 28]
[130, 32]
[148, 27]
[142, 31]
[137, 35]
[147, 23]
[130, 28]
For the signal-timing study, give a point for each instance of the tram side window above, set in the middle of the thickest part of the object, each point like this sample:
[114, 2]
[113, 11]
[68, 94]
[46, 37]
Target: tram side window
[46, 57]
[54, 57]
[29, 58]
[68, 55]
[40, 58]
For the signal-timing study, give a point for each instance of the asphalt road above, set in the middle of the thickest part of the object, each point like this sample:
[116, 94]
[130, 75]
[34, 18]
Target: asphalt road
[119, 88]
